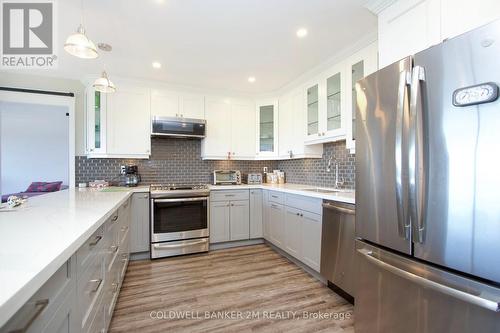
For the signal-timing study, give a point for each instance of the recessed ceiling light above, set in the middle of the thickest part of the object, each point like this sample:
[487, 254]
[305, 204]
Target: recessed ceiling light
[251, 79]
[156, 64]
[302, 32]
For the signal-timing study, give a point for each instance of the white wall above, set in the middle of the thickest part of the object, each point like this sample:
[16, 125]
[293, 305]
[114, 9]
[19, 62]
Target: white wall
[34, 143]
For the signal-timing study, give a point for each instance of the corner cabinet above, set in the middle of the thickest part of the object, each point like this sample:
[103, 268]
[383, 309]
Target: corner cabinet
[118, 124]
[267, 129]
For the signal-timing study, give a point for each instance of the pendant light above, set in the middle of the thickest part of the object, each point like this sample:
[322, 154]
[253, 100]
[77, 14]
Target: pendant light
[104, 84]
[79, 45]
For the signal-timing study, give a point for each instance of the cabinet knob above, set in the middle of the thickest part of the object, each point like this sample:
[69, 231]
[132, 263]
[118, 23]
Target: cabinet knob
[301, 215]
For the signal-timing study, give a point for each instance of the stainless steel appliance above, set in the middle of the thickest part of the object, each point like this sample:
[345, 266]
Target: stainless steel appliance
[227, 177]
[254, 178]
[130, 175]
[178, 127]
[427, 204]
[179, 219]
[337, 248]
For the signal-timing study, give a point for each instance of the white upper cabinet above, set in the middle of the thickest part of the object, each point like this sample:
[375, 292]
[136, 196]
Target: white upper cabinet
[292, 128]
[96, 107]
[172, 104]
[230, 131]
[357, 66]
[407, 27]
[459, 16]
[129, 122]
[217, 141]
[267, 129]
[242, 130]
[118, 124]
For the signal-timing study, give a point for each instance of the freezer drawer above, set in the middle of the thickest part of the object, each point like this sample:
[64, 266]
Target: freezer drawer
[396, 294]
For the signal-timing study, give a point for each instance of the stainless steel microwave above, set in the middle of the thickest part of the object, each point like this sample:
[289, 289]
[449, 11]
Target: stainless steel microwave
[229, 177]
[178, 127]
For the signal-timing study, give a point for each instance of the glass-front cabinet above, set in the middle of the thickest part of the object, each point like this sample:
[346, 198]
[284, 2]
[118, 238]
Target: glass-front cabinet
[333, 102]
[267, 128]
[313, 110]
[357, 66]
[96, 122]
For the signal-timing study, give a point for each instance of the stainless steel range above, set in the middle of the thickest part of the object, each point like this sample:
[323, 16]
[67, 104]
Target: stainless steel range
[179, 219]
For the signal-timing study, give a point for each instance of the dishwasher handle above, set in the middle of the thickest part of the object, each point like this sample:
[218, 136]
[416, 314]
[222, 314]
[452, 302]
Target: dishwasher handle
[339, 209]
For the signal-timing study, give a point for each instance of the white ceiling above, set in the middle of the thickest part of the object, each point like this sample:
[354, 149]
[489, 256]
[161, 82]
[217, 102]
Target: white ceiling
[215, 44]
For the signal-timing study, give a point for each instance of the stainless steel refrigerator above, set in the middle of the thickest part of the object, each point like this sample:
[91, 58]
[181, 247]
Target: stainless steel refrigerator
[428, 190]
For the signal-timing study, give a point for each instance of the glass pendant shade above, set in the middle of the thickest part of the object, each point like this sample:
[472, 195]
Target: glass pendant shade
[104, 85]
[79, 45]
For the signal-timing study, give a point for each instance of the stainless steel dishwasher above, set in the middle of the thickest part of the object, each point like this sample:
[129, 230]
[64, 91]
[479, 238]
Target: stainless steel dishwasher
[338, 248]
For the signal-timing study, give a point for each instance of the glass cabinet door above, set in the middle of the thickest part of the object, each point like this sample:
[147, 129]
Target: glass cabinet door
[266, 128]
[358, 72]
[313, 110]
[333, 99]
[96, 122]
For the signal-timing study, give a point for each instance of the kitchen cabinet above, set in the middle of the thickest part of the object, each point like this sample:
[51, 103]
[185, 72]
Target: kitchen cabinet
[292, 128]
[311, 240]
[277, 224]
[267, 129]
[459, 16]
[239, 220]
[407, 27]
[129, 122]
[229, 216]
[173, 104]
[357, 66]
[266, 206]
[230, 130]
[139, 224]
[118, 124]
[256, 213]
[293, 230]
[219, 222]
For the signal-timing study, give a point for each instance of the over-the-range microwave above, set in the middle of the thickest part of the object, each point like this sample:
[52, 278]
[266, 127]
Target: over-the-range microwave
[178, 127]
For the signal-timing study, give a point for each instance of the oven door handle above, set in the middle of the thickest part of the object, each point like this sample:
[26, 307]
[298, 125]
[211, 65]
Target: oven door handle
[183, 244]
[181, 199]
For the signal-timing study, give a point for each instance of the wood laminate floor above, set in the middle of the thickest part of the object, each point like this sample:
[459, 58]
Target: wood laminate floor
[249, 289]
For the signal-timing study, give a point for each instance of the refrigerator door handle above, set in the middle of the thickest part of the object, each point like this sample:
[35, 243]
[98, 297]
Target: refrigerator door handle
[493, 305]
[404, 227]
[415, 157]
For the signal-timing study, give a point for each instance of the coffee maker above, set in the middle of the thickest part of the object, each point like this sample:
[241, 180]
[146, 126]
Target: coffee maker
[130, 175]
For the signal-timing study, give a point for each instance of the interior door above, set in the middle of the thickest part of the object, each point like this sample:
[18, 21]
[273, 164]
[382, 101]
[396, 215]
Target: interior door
[381, 108]
[456, 196]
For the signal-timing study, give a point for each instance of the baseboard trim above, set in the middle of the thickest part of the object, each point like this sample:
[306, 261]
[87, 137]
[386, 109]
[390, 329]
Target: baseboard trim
[139, 256]
[299, 263]
[228, 245]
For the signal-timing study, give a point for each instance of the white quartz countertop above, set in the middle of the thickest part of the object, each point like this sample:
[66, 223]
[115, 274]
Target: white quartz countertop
[346, 196]
[42, 234]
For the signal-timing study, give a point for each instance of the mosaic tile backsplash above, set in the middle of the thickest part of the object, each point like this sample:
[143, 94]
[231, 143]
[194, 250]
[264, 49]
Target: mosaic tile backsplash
[178, 161]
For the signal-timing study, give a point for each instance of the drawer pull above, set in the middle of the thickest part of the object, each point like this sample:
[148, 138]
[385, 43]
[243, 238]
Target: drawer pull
[124, 228]
[115, 287]
[39, 307]
[97, 283]
[229, 195]
[274, 196]
[115, 218]
[275, 206]
[95, 241]
[113, 248]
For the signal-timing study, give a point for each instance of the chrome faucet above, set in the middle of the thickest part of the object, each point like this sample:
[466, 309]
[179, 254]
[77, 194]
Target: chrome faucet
[329, 169]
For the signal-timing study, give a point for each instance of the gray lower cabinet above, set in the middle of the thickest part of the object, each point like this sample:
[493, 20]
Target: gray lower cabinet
[294, 224]
[81, 295]
[229, 216]
[256, 214]
[139, 224]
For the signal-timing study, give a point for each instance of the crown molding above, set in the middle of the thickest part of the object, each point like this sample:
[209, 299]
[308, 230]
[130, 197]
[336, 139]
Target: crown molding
[376, 6]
